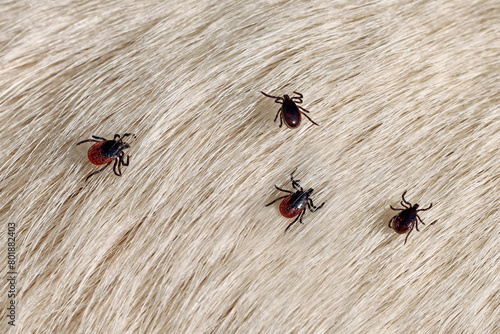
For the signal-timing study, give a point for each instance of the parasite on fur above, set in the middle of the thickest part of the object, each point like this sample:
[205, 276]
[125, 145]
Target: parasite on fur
[407, 218]
[296, 202]
[290, 112]
[106, 151]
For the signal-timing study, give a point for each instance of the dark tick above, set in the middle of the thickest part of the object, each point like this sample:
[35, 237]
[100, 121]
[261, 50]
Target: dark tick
[105, 151]
[295, 203]
[289, 110]
[407, 218]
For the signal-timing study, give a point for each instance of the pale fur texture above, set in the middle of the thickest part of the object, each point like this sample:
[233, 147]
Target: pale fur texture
[407, 98]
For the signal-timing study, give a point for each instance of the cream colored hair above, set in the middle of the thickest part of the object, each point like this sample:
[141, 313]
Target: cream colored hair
[407, 98]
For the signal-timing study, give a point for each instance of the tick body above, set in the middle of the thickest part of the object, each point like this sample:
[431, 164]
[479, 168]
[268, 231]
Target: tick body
[290, 112]
[295, 204]
[106, 151]
[407, 218]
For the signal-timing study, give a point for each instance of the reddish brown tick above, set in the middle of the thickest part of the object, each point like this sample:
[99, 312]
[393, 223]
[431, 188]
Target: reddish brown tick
[295, 203]
[407, 218]
[106, 151]
[289, 111]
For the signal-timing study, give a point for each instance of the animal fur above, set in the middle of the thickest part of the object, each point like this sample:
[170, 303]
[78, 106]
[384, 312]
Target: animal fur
[407, 97]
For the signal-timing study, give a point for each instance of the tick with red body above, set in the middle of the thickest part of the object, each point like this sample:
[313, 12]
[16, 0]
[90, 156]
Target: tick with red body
[407, 218]
[290, 112]
[295, 203]
[106, 151]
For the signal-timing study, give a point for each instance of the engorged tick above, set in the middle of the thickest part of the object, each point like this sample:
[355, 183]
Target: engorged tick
[105, 151]
[407, 218]
[295, 203]
[289, 110]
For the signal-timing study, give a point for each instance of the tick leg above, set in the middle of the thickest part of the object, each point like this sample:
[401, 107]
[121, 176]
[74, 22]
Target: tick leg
[286, 229]
[278, 98]
[84, 141]
[403, 197]
[277, 199]
[311, 204]
[295, 183]
[287, 191]
[319, 207]
[408, 234]
[94, 173]
[297, 99]
[281, 119]
[99, 138]
[123, 160]
[392, 219]
[309, 118]
[420, 220]
[303, 109]
[124, 135]
[117, 163]
[302, 215]
[403, 204]
[275, 118]
[430, 206]
[396, 209]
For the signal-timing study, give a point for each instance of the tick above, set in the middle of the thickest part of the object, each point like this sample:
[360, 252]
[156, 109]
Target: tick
[290, 111]
[407, 218]
[296, 202]
[106, 151]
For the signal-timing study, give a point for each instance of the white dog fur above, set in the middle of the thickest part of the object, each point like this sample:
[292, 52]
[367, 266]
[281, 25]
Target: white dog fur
[406, 94]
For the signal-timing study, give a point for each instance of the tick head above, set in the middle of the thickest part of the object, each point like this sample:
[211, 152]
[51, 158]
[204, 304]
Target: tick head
[415, 206]
[286, 97]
